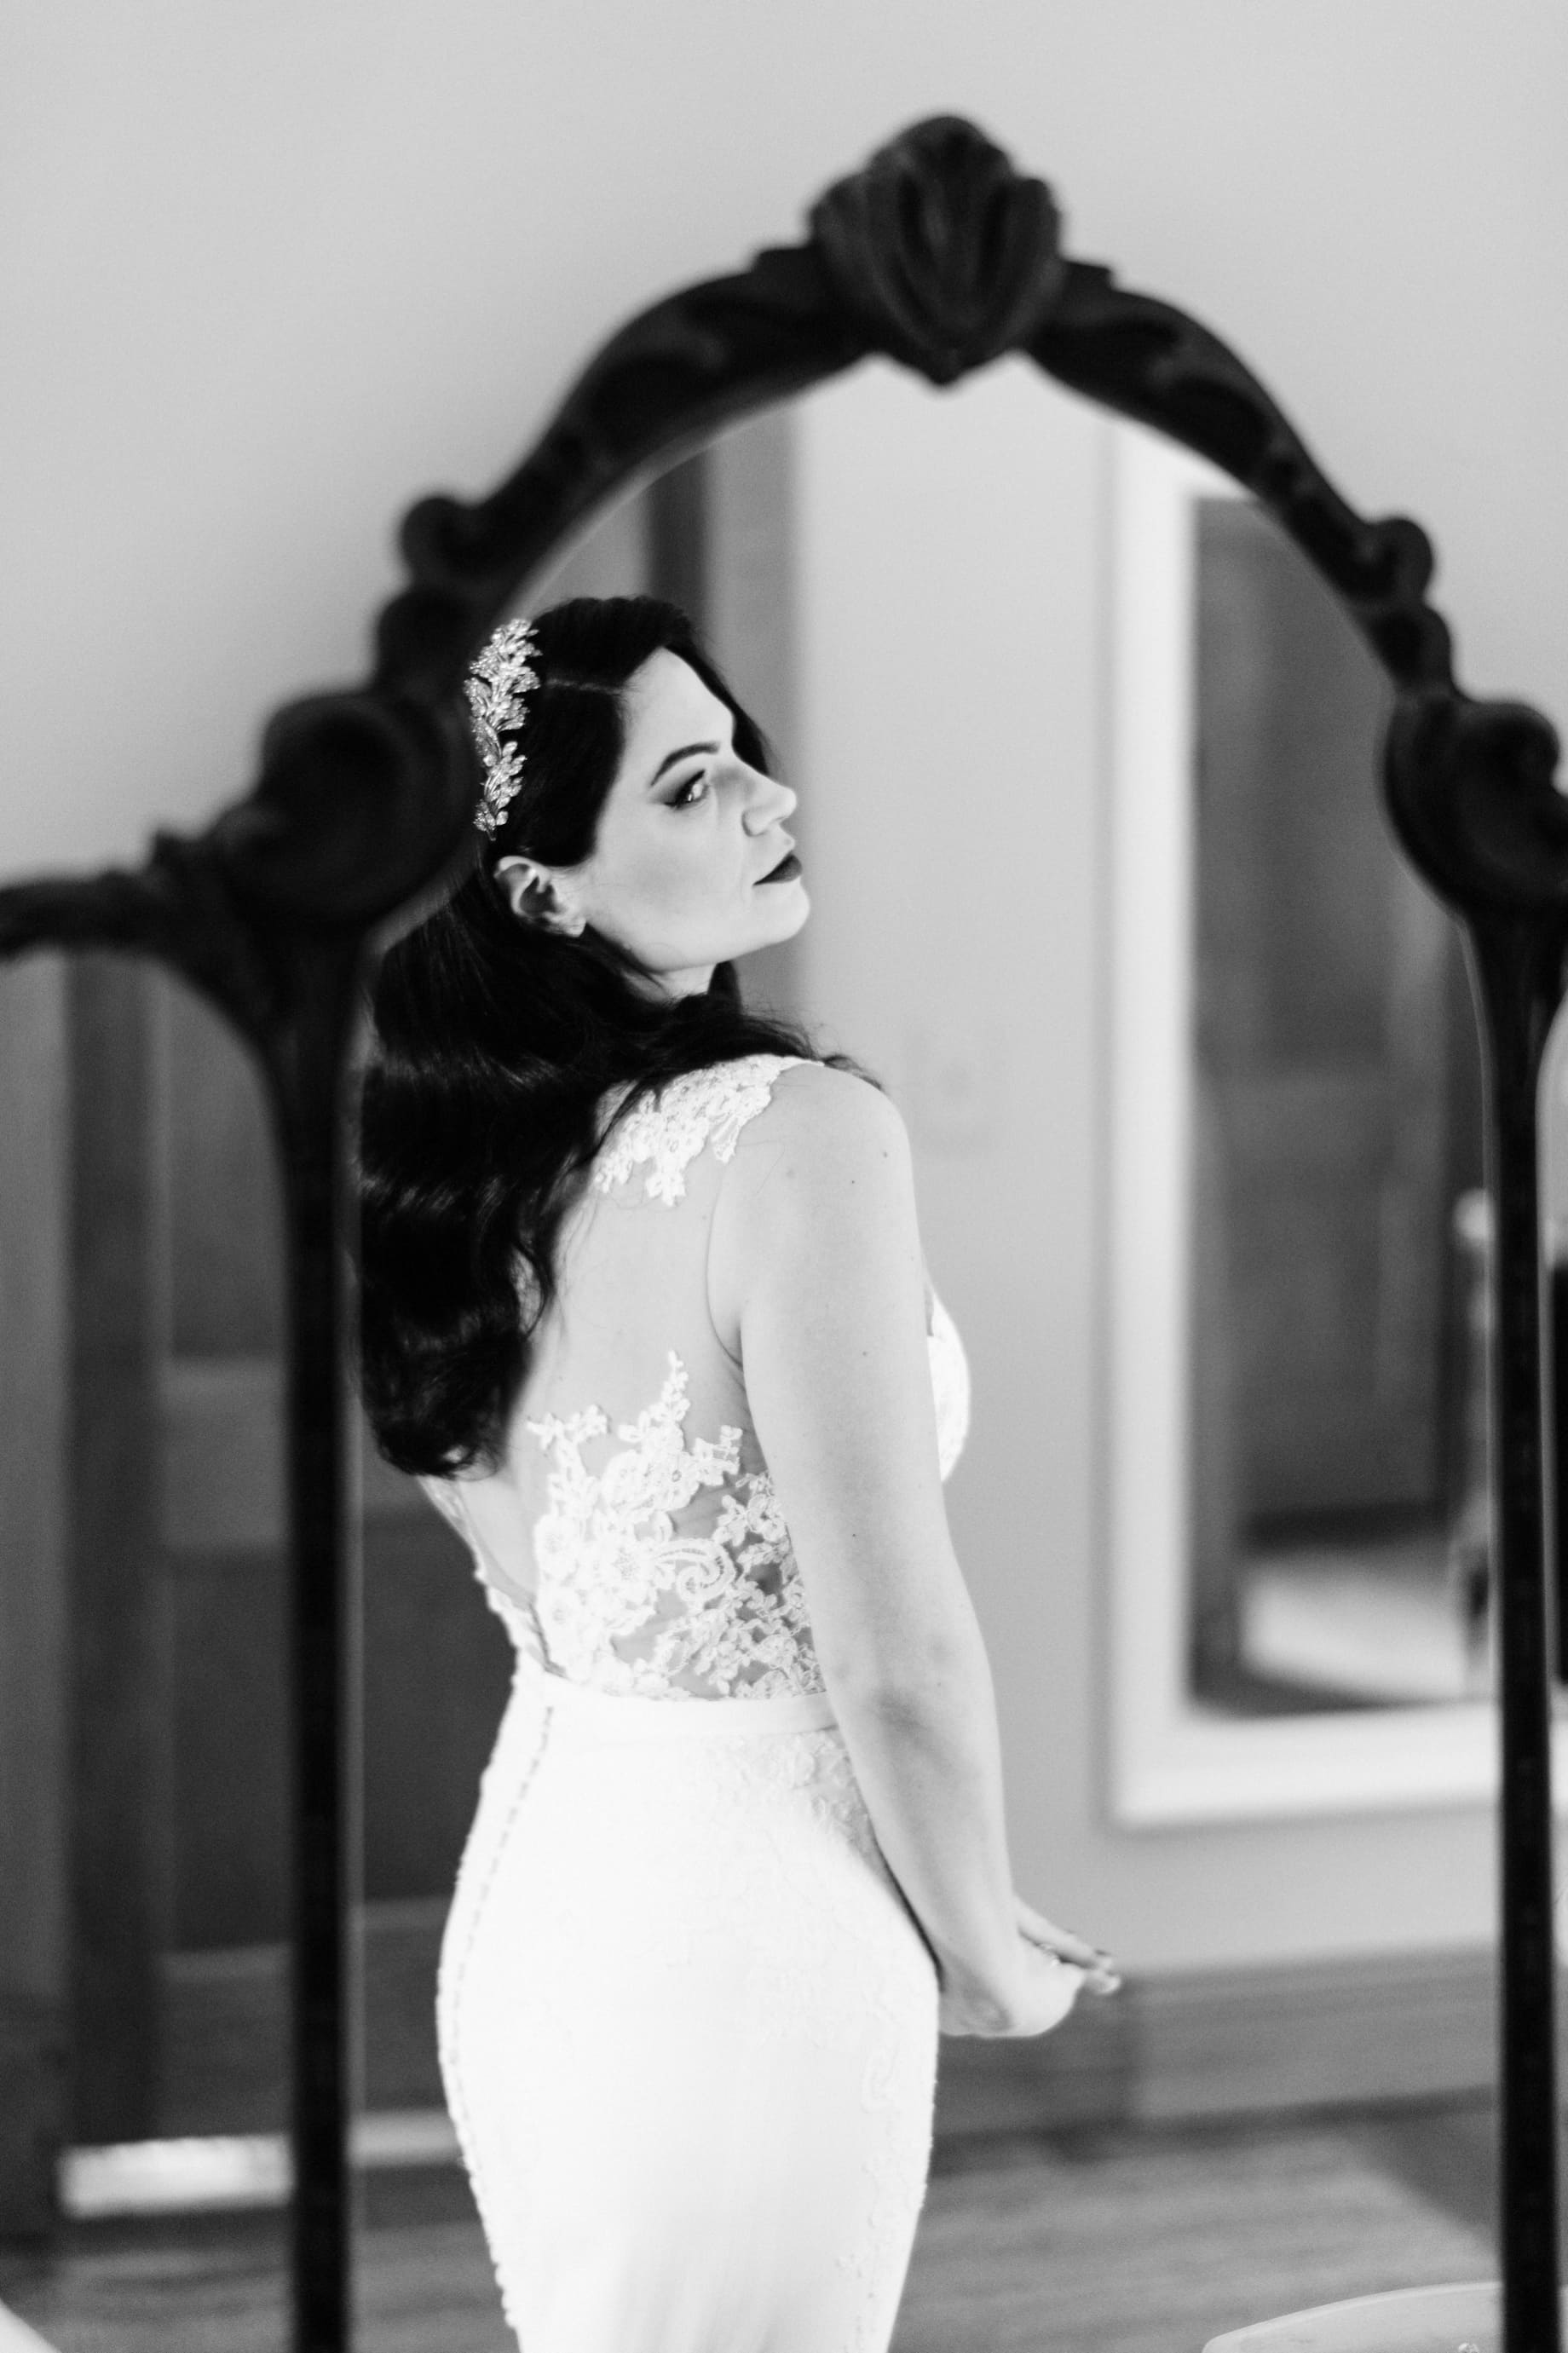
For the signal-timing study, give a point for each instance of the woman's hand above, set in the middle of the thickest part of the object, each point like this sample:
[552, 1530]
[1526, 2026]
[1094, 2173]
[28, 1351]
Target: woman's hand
[1101, 1974]
[1049, 1966]
[1037, 1993]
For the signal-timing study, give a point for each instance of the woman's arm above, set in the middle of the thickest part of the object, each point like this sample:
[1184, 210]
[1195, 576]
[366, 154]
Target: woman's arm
[815, 1273]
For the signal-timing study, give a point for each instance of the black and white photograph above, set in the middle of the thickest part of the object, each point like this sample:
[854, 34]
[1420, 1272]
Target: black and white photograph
[783, 1176]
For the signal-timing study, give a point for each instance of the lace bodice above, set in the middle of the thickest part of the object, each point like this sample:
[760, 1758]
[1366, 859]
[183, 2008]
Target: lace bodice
[700, 1109]
[625, 1603]
[667, 1571]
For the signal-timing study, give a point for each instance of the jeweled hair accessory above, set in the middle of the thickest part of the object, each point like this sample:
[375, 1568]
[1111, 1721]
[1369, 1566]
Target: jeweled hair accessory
[498, 686]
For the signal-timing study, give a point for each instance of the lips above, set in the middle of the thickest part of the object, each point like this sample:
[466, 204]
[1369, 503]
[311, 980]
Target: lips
[785, 870]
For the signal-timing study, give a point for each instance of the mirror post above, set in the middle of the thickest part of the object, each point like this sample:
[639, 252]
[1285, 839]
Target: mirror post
[1517, 1009]
[323, 1622]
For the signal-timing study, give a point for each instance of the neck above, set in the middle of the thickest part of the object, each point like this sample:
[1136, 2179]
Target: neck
[693, 981]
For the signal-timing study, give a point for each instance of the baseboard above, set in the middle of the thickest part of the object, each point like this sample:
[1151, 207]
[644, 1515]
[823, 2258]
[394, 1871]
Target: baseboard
[220, 2172]
[1237, 2042]
[1337, 2034]
[1322, 2034]
[1078, 2073]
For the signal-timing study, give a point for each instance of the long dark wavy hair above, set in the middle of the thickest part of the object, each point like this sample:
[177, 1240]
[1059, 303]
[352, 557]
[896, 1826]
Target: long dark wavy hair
[492, 1045]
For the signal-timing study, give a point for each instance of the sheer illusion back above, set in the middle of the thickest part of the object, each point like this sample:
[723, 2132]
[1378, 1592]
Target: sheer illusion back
[631, 1539]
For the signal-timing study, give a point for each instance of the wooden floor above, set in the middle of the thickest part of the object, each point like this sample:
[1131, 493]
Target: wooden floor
[1144, 2241]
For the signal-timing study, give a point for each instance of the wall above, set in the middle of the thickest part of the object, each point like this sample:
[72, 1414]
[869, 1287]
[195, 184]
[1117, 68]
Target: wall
[269, 274]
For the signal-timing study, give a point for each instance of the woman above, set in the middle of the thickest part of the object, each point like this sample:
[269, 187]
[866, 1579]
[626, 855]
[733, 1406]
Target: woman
[643, 1306]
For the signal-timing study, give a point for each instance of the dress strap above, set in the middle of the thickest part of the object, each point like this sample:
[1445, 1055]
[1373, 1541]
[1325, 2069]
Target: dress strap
[700, 1108]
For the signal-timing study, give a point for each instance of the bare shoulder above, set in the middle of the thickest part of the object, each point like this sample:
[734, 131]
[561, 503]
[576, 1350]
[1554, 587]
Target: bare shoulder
[821, 1121]
[821, 1177]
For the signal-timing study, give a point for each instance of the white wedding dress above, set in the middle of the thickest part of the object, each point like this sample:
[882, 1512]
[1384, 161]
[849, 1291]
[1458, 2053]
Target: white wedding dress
[688, 2025]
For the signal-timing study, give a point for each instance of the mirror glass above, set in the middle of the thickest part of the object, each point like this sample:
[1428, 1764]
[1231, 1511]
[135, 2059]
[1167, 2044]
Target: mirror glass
[1339, 1540]
[146, 1504]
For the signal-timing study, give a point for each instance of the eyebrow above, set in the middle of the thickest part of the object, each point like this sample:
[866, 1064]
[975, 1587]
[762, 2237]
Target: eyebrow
[670, 758]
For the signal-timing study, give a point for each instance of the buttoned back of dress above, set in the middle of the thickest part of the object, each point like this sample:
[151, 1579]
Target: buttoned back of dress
[630, 1537]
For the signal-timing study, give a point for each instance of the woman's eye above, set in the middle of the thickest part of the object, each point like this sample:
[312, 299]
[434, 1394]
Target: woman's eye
[694, 789]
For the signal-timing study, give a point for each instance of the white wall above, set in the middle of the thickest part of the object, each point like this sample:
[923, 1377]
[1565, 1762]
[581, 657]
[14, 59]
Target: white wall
[269, 272]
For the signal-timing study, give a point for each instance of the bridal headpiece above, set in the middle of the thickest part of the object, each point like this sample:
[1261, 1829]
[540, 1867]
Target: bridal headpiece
[497, 685]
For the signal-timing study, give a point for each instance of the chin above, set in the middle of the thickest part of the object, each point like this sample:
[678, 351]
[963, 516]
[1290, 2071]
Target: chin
[791, 911]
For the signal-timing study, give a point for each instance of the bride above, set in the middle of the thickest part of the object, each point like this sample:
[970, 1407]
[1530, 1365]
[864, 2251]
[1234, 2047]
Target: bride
[643, 1306]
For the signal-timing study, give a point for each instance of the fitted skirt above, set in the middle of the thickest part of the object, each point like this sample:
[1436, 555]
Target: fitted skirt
[688, 2029]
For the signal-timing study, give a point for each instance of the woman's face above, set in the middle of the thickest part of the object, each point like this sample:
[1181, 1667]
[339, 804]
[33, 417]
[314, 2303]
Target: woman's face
[687, 838]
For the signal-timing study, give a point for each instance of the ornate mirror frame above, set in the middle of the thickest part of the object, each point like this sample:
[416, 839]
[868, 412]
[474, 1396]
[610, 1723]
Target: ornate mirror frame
[940, 255]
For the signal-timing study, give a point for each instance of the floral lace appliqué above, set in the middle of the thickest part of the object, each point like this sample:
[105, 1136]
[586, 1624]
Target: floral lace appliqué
[612, 1569]
[700, 1108]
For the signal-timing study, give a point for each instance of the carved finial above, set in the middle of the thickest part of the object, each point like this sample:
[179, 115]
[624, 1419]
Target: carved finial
[1472, 790]
[944, 252]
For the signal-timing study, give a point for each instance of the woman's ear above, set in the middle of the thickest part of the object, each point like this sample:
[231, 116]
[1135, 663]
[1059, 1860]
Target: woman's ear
[534, 893]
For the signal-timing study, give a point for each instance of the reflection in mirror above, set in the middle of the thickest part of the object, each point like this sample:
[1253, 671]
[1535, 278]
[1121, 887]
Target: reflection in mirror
[147, 1204]
[1338, 1539]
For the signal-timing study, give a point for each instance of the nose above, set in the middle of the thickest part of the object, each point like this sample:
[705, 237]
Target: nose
[770, 802]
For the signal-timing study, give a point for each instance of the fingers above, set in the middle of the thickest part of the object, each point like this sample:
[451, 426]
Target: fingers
[1041, 1931]
[1101, 1972]
[1062, 1941]
[1045, 1958]
[1096, 1968]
